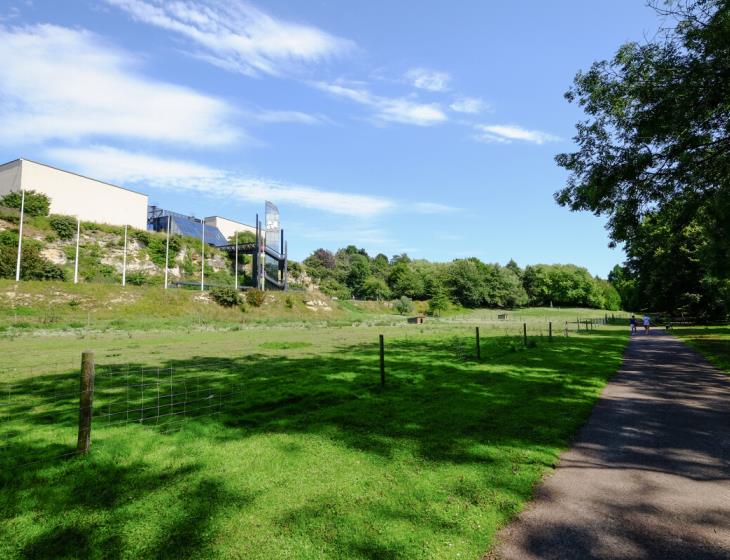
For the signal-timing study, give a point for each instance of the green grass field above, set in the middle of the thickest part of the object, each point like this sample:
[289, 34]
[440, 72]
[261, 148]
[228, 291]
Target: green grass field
[306, 456]
[712, 342]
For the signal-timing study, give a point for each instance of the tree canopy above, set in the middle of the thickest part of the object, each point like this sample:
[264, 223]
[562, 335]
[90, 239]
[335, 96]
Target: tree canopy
[351, 272]
[654, 157]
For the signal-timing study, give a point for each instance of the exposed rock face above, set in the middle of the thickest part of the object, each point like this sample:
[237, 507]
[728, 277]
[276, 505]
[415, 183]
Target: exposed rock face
[317, 305]
[55, 255]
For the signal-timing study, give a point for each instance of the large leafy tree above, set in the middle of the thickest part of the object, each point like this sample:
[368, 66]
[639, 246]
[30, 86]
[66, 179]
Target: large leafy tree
[654, 150]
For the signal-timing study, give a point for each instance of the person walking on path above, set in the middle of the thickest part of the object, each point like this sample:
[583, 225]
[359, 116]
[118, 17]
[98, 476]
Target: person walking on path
[647, 323]
[632, 322]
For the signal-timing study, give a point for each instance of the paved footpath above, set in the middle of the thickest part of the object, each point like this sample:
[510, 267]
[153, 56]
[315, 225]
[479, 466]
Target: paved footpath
[648, 476]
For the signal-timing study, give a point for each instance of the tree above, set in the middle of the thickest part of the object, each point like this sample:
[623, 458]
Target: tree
[320, 263]
[654, 151]
[375, 288]
[515, 268]
[358, 272]
[404, 305]
[438, 303]
[36, 204]
[380, 265]
[563, 284]
[405, 281]
[243, 237]
[466, 281]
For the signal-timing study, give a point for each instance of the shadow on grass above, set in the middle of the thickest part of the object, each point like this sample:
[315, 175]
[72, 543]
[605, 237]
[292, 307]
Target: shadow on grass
[438, 402]
[712, 342]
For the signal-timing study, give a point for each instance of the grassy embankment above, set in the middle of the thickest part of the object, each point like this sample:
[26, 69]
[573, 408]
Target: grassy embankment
[712, 342]
[309, 457]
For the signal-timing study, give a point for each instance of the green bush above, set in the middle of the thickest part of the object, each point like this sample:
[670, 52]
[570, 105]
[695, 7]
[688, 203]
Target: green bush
[157, 248]
[64, 226]
[36, 204]
[9, 214]
[137, 278]
[142, 237]
[32, 265]
[255, 297]
[227, 297]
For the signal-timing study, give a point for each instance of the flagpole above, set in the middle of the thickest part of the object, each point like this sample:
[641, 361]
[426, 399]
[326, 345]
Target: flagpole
[76, 263]
[20, 234]
[124, 259]
[202, 259]
[167, 250]
[236, 271]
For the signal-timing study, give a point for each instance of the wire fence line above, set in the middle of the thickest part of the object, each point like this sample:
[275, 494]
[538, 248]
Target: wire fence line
[40, 409]
[40, 415]
[163, 397]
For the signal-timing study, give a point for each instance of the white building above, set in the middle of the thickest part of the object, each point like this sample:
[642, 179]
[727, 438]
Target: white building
[228, 227]
[75, 195]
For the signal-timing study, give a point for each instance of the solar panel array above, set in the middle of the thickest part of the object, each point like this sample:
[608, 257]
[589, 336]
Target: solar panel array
[190, 228]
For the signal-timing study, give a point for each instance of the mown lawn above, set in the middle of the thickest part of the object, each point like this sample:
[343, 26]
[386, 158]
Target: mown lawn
[307, 457]
[712, 342]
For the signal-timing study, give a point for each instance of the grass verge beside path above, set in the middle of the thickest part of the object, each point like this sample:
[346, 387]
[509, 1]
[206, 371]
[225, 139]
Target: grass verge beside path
[712, 342]
[312, 459]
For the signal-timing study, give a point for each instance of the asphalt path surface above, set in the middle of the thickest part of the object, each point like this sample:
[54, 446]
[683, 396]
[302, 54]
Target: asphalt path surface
[648, 476]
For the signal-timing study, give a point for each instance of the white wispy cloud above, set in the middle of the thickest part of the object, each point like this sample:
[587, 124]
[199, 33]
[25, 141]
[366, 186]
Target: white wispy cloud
[295, 117]
[389, 109]
[433, 208]
[470, 105]
[430, 80]
[506, 133]
[236, 36]
[137, 169]
[68, 84]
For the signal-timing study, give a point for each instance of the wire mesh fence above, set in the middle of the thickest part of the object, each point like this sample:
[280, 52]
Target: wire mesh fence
[40, 408]
[40, 412]
[161, 397]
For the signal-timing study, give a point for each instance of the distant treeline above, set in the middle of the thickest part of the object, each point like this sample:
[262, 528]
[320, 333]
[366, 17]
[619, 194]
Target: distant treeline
[351, 272]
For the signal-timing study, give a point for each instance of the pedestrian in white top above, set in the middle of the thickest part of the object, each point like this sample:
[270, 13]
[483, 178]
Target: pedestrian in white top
[647, 323]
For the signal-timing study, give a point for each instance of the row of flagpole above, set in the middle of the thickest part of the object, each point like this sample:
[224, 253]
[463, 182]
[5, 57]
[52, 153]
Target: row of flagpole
[124, 258]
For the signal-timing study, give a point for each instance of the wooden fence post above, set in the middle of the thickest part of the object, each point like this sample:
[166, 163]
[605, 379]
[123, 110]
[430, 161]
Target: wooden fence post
[86, 402]
[566, 329]
[382, 361]
[479, 347]
[550, 331]
[524, 332]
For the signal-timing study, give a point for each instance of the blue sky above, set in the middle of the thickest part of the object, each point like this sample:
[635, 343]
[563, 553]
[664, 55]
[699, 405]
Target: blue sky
[421, 127]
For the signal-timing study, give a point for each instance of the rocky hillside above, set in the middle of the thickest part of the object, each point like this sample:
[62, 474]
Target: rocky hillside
[101, 253]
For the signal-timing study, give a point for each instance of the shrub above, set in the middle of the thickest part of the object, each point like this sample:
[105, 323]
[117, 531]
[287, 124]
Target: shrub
[64, 226]
[137, 278]
[32, 266]
[227, 297]
[36, 204]
[157, 249]
[142, 237]
[404, 305]
[289, 302]
[255, 297]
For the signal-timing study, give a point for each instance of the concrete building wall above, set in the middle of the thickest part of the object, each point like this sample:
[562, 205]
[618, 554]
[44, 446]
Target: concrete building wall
[10, 177]
[76, 195]
[228, 227]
